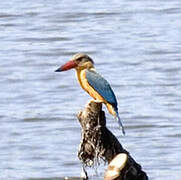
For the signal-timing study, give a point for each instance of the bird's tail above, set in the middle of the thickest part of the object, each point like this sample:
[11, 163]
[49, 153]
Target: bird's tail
[119, 122]
[114, 111]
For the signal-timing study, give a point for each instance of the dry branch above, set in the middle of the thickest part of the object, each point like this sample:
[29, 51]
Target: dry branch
[99, 143]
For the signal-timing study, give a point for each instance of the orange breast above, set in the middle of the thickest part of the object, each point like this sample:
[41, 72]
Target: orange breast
[86, 86]
[81, 75]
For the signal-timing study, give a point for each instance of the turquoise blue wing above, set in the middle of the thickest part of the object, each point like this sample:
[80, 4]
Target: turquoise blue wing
[99, 84]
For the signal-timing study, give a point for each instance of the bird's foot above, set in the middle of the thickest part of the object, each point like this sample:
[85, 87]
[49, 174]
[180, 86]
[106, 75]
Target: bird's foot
[95, 100]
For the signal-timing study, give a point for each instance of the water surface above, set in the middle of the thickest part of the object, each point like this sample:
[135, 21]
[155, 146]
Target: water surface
[136, 47]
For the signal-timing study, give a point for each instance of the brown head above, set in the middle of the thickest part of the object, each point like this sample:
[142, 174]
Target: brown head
[79, 61]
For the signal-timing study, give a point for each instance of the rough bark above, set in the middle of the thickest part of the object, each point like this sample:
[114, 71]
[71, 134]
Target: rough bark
[99, 143]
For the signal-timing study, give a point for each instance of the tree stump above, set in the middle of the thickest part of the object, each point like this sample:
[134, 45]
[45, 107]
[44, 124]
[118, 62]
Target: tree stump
[98, 143]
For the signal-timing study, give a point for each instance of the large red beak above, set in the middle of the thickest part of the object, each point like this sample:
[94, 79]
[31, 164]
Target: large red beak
[67, 66]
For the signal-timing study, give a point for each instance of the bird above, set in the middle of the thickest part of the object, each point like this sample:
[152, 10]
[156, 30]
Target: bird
[93, 83]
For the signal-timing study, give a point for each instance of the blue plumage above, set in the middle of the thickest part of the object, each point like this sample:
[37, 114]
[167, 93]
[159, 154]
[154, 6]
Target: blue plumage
[99, 84]
[102, 87]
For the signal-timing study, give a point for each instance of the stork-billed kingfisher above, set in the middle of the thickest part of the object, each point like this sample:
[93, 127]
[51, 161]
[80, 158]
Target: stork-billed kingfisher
[93, 83]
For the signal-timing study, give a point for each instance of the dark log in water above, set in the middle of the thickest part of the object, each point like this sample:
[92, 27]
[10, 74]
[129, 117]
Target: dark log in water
[99, 143]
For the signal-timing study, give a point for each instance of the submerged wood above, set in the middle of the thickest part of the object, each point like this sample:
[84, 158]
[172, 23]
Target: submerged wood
[98, 143]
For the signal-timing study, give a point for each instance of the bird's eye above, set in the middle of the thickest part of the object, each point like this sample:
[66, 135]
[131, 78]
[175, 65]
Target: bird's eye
[78, 60]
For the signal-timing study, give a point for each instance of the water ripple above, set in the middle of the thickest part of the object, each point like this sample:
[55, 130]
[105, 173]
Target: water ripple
[135, 46]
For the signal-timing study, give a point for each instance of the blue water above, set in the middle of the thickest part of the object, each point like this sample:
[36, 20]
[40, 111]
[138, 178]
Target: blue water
[136, 47]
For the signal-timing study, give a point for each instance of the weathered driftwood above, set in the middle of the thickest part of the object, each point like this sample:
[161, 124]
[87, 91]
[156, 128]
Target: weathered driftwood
[99, 143]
